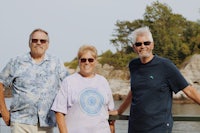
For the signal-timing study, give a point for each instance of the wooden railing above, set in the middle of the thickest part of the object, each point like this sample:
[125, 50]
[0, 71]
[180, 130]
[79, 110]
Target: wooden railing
[175, 117]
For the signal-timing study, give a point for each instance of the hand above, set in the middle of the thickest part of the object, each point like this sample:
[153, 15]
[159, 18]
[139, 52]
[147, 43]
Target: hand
[113, 112]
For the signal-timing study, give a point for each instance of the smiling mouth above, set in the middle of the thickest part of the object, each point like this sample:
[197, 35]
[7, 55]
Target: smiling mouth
[87, 67]
[38, 47]
[143, 51]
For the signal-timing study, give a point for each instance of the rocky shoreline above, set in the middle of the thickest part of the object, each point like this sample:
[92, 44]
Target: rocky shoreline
[119, 97]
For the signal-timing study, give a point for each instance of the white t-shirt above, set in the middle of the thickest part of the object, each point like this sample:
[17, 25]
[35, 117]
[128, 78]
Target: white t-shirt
[86, 102]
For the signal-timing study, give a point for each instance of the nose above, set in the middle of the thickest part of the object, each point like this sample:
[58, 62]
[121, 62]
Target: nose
[142, 46]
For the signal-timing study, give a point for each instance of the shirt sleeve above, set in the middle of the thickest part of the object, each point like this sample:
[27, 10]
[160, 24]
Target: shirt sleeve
[6, 75]
[110, 96]
[60, 102]
[176, 80]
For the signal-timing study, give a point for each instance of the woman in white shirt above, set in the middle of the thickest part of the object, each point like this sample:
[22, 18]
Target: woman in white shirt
[85, 98]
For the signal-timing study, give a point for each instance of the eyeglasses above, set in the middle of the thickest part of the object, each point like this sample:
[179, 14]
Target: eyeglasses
[83, 60]
[41, 41]
[137, 44]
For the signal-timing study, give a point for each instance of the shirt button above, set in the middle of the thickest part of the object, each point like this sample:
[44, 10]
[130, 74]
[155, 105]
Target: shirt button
[167, 124]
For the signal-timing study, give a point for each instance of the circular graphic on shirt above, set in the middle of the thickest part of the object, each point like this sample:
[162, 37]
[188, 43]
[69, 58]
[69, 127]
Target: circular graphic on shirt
[91, 101]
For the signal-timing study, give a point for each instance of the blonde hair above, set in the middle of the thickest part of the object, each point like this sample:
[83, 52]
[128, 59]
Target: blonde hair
[86, 48]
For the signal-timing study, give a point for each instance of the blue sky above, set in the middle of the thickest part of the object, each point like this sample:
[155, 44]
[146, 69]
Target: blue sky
[72, 23]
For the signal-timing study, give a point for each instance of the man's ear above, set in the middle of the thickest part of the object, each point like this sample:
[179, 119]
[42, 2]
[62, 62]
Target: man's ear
[133, 46]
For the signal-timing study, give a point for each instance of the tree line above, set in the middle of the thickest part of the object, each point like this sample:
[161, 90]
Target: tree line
[174, 36]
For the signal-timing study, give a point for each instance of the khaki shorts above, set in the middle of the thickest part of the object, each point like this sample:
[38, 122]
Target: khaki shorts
[24, 128]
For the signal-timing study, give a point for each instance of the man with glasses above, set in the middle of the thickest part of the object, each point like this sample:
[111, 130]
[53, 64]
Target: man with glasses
[153, 80]
[34, 78]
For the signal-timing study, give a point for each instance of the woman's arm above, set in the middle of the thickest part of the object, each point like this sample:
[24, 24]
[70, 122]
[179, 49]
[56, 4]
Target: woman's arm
[60, 118]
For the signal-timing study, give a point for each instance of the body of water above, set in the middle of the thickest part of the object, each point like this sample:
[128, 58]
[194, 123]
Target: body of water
[121, 126]
[179, 126]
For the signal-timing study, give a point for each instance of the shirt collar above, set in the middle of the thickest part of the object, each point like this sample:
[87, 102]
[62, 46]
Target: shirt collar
[28, 57]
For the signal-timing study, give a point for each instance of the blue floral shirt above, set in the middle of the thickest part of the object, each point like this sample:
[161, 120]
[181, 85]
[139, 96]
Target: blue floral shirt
[34, 87]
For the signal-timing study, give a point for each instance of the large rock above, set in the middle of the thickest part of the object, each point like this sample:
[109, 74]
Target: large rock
[118, 80]
[191, 72]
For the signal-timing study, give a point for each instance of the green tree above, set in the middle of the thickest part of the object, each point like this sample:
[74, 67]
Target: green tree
[192, 36]
[118, 59]
[174, 36]
[167, 29]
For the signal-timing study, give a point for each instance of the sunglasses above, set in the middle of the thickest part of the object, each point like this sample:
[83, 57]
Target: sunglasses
[83, 60]
[36, 40]
[137, 44]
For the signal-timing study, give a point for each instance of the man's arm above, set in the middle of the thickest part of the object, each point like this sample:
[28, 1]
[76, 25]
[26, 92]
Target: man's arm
[192, 93]
[125, 104]
[3, 109]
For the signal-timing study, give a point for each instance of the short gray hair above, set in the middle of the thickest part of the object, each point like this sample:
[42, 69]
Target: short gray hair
[142, 31]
